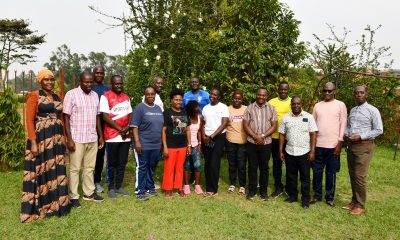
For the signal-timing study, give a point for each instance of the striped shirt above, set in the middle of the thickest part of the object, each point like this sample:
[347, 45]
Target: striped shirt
[261, 119]
[365, 121]
[83, 109]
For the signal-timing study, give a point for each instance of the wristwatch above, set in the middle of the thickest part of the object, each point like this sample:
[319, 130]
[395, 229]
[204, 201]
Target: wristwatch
[263, 135]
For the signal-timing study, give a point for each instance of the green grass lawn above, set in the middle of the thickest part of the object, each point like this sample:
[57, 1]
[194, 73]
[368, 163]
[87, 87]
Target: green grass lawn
[227, 216]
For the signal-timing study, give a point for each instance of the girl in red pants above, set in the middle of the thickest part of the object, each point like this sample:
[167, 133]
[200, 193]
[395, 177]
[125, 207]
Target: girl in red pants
[176, 144]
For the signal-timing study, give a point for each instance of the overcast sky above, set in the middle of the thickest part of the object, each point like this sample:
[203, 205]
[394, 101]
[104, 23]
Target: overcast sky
[73, 23]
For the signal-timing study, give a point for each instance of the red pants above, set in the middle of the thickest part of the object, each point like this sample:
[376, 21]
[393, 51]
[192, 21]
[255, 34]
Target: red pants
[174, 164]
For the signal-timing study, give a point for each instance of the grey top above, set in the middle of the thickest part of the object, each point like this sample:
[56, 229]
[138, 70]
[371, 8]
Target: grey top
[364, 120]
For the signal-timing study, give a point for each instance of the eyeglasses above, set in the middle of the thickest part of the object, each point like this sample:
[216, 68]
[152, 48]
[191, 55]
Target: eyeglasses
[327, 91]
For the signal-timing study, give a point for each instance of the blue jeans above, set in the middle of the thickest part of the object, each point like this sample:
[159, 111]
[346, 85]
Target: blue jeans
[195, 157]
[147, 162]
[324, 158]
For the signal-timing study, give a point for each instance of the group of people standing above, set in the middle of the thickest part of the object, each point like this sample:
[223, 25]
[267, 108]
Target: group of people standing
[95, 119]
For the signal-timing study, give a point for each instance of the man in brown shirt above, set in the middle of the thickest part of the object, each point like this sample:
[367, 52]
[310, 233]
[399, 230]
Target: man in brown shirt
[259, 122]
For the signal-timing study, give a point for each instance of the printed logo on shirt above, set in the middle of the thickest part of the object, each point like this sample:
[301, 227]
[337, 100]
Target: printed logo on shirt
[153, 114]
[179, 123]
[237, 118]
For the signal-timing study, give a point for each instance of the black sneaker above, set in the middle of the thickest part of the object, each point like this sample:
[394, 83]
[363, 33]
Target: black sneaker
[330, 203]
[305, 205]
[152, 193]
[290, 200]
[250, 196]
[277, 193]
[315, 200]
[94, 197]
[75, 203]
[264, 196]
[142, 197]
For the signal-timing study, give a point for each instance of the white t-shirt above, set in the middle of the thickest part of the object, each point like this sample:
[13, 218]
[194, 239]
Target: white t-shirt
[157, 102]
[118, 112]
[213, 116]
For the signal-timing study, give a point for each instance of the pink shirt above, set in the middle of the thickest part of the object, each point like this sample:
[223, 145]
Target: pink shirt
[83, 109]
[331, 119]
[194, 129]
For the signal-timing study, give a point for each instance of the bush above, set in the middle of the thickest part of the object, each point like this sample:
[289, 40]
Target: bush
[12, 133]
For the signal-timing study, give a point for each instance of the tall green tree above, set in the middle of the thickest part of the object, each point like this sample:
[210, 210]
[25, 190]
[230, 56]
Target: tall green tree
[17, 43]
[228, 43]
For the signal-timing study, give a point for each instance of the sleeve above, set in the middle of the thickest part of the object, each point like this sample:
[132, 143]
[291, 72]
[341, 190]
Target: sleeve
[31, 109]
[68, 103]
[348, 125]
[130, 110]
[274, 114]
[207, 98]
[312, 126]
[184, 101]
[166, 118]
[246, 114]
[137, 116]
[282, 125]
[376, 126]
[343, 121]
[104, 107]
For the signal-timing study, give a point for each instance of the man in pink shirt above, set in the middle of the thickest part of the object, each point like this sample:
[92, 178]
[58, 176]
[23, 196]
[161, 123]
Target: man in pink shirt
[330, 116]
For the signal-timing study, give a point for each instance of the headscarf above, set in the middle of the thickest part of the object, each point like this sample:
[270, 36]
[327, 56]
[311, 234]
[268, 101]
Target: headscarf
[43, 73]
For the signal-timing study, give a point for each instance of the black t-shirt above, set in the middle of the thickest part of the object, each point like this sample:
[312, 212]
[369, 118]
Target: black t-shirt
[176, 123]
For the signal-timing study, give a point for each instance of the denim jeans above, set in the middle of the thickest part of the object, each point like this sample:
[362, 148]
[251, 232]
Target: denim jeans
[237, 159]
[193, 160]
[324, 158]
[147, 162]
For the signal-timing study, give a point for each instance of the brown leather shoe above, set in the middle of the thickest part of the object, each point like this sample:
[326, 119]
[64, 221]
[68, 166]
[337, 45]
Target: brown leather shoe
[350, 206]
[357, 211]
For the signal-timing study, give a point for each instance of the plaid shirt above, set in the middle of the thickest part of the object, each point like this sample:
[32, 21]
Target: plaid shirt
[261, 119]
[83, 109]
[364, 120]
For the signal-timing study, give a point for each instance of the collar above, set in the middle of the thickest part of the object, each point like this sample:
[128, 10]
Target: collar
[300, 115]
[263, 106]
[84, 91]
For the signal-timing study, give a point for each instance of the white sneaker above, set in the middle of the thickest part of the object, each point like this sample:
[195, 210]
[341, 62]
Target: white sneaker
[156, 186]
[99, 188]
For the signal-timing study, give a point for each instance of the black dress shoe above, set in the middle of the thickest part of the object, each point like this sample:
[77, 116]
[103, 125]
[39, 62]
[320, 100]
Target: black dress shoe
[290, 200]
[250, 196]
[330, 203]
[305, 205]
[315, 200]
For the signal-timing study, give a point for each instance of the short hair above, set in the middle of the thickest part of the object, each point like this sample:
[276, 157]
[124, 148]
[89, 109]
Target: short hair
[190, 107]
[219, 91]
[295, 97]
[144, 91]
[195, 77]
[237, 91]
[156, 78]
[98, 67]
[84, 74]
[333, 84]
[174, 93]
[115, 76]
[261, 88]
[283, 83]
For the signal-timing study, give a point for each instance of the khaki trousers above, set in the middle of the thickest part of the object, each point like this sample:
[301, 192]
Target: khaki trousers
[83, 157]
[358, 159]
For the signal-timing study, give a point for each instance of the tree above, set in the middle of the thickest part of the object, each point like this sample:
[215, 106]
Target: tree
[74, 63]
[17, 43]
[228, 43]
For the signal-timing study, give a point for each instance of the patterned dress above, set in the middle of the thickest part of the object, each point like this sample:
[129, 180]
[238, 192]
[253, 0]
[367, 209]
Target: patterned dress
[45, 190]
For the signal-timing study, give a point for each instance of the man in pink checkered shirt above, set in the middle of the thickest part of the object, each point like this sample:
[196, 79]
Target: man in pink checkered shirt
[82, 124]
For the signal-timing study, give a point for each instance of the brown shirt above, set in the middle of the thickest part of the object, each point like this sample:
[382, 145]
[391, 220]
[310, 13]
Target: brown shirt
[261, 119]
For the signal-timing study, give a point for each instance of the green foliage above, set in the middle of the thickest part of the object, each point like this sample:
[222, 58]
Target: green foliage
[74, 63]
[17, 43]
[12, 134]
[338, 62]
[229, 44]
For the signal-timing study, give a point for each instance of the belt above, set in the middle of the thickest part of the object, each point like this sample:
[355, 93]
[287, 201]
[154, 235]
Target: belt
[363, 142]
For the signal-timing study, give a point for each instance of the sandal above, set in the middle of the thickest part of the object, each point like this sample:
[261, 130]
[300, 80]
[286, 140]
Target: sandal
[242, 191]
[231, 189]
[181, 193]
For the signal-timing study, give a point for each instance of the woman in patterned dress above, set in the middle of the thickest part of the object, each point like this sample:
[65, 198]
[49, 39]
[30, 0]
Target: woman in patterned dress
[45, 191]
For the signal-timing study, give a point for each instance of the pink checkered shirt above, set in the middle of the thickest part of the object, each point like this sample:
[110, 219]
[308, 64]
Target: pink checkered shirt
[83, 109]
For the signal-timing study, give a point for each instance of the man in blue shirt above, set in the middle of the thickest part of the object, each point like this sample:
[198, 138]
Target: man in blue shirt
[196, 94]
[100, 89]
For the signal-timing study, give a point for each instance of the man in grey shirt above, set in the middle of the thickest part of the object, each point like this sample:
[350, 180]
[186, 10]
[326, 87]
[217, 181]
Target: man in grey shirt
[363, 126]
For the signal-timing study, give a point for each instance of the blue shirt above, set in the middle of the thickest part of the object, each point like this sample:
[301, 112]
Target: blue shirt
[100, 89]
[365, 121]
[149, 121]
[202, 97]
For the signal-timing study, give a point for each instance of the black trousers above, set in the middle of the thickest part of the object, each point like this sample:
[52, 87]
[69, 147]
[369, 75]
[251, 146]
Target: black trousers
[294, 165]
[258, 159]
[237, 159]
[212, 157]
[117, 158]
[99, 159]
[277, 164]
